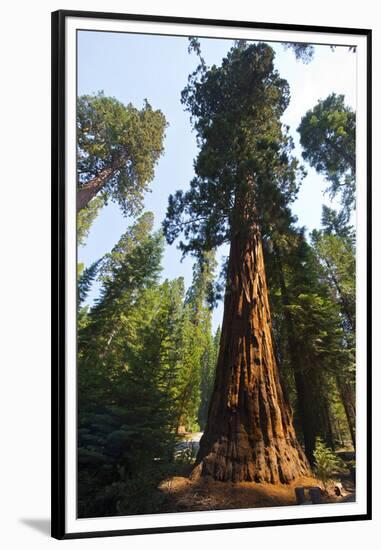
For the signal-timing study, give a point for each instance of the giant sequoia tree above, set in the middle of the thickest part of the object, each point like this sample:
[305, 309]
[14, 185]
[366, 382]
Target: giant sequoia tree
[118, 147]
[245, 175]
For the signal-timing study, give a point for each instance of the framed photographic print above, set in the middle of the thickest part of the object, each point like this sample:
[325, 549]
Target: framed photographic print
[211, 274]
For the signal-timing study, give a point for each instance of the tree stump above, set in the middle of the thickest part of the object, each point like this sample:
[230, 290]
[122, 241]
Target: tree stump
[299, 495]
[315, 495]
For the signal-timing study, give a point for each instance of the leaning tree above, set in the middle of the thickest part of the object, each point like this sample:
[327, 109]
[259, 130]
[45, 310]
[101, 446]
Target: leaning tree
[245, 176]
[117, 148]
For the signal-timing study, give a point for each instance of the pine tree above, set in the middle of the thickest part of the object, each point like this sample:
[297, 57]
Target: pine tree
[126, 372]
[86, 217]
[85, 281]
[189, 356]
[328, 137]
[309, 334]
[335, 249]
[198, 299]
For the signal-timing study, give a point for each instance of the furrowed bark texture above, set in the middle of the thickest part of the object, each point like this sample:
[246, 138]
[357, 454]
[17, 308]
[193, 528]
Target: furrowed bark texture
[249, 434]
[90, 189]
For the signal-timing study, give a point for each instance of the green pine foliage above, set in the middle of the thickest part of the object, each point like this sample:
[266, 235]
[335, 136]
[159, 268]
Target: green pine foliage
[245, 163]
[188, 381]
[111, 134]
[196, 355]
[327, 135]
[86, 278]
[312, 339]
[86, 217]
[126, 417]
[326, 462]
[140, 356]
[118, 147]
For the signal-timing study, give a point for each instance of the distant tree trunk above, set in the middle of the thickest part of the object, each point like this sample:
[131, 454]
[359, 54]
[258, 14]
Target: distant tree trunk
[327, 431]
[306, 413]
[348, 399]
[345, 305]
[338, 432]
[311, 404]
[313, 411]
[249, 434]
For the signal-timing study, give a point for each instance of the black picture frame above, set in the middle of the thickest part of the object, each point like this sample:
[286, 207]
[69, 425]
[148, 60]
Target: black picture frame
[58, 313]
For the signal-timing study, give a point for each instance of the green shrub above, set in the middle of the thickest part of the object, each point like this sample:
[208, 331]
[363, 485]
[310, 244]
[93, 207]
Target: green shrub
[326, 462]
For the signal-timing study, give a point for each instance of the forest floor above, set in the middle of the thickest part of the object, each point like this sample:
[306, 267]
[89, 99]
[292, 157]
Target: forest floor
[186, 495]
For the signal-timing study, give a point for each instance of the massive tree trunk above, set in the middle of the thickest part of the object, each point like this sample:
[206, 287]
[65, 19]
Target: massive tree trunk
[249, 434]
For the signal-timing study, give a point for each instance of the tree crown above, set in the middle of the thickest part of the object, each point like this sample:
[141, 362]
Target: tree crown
[327, 135]
[245, 171]
[124, 138]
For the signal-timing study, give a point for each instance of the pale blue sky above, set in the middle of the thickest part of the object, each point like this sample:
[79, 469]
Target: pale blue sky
[133, 67]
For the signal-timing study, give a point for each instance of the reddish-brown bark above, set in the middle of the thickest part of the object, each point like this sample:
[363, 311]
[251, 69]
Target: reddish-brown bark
[88, 191]
[249, 434]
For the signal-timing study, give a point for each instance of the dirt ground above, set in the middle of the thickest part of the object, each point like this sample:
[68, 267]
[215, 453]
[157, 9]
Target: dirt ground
[186, 495]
